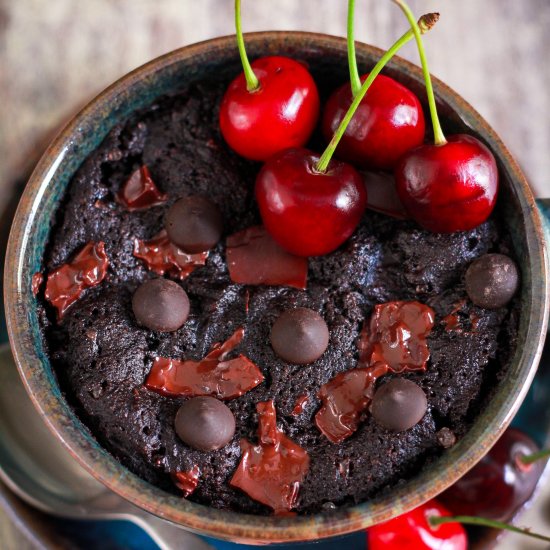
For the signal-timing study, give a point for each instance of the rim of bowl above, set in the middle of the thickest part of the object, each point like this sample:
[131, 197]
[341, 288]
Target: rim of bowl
[237, 526]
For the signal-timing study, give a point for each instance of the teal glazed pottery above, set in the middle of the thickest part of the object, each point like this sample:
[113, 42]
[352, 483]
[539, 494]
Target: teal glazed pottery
[326, 55]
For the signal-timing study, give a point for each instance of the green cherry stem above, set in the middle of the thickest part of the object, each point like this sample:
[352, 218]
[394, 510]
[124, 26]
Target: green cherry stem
[252, 82]
[435, 521]
[439, 137]
[352, 60]
[539, 455]
[425, 23]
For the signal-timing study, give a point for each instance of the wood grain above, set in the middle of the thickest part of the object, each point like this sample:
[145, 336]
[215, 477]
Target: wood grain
[56, 55]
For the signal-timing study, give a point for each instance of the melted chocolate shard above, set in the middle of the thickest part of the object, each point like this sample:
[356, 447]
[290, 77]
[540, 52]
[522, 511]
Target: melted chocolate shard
[66, 283]
[393, 341]
[474, 321]
[165, 258]
[382, 195]
[452, 320]
[36, 282]
[344, 399]
[254, 258]
[214, 375]
[140, 192]
[187, 481]
[271, 471]
[396, 336]
[301, 402]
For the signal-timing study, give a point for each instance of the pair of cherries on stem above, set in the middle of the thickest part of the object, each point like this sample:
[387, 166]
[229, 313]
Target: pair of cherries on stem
[311, 204]
[488, 495]
[273, 105]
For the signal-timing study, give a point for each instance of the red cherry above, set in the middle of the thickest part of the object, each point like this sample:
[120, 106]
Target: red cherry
[281, 114]
[388, 122]
[412, 530]
[308, 212]
[449, 187]
[498, 485]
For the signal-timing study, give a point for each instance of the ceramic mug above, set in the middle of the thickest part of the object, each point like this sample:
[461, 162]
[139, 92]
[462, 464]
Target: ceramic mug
[327, 56]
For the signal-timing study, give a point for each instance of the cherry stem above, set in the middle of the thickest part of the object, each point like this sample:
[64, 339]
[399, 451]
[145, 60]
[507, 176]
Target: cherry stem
[352, 60]
[252, 82]
[439, 137]
[434, 521]
[539, 455]
[425, 23]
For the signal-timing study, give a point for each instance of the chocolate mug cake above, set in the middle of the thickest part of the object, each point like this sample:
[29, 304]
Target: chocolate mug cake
[249, 336]
[109, 356]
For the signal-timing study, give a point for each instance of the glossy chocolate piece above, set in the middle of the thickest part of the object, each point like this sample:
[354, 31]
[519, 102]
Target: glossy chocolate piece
[271, 471]
[187, 481]
[213, 375]
[399, 405]
[299, 405]
[140, 192]
[205, 423]
[66, 283]
[194, 224]
[161, 305]
[299, 336]
[254, 258]
[492, 280]
[396, 336]
[452, 320]
[344, 399]
[165, 258]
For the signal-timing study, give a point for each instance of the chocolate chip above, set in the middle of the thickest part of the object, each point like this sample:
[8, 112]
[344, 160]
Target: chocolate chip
[160, 304]
[205, 423]
[492, 281]
[446, 437]
[299, 336]
[194, 223]
[399, 404]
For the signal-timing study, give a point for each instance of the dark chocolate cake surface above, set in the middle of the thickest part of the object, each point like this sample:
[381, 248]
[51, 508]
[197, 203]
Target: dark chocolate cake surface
[102, 357]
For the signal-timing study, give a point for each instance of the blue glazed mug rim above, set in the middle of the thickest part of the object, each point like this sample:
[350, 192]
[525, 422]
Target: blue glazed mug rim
[22, 259]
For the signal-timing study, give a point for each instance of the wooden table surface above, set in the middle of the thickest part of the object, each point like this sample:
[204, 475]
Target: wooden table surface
[56, 55]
